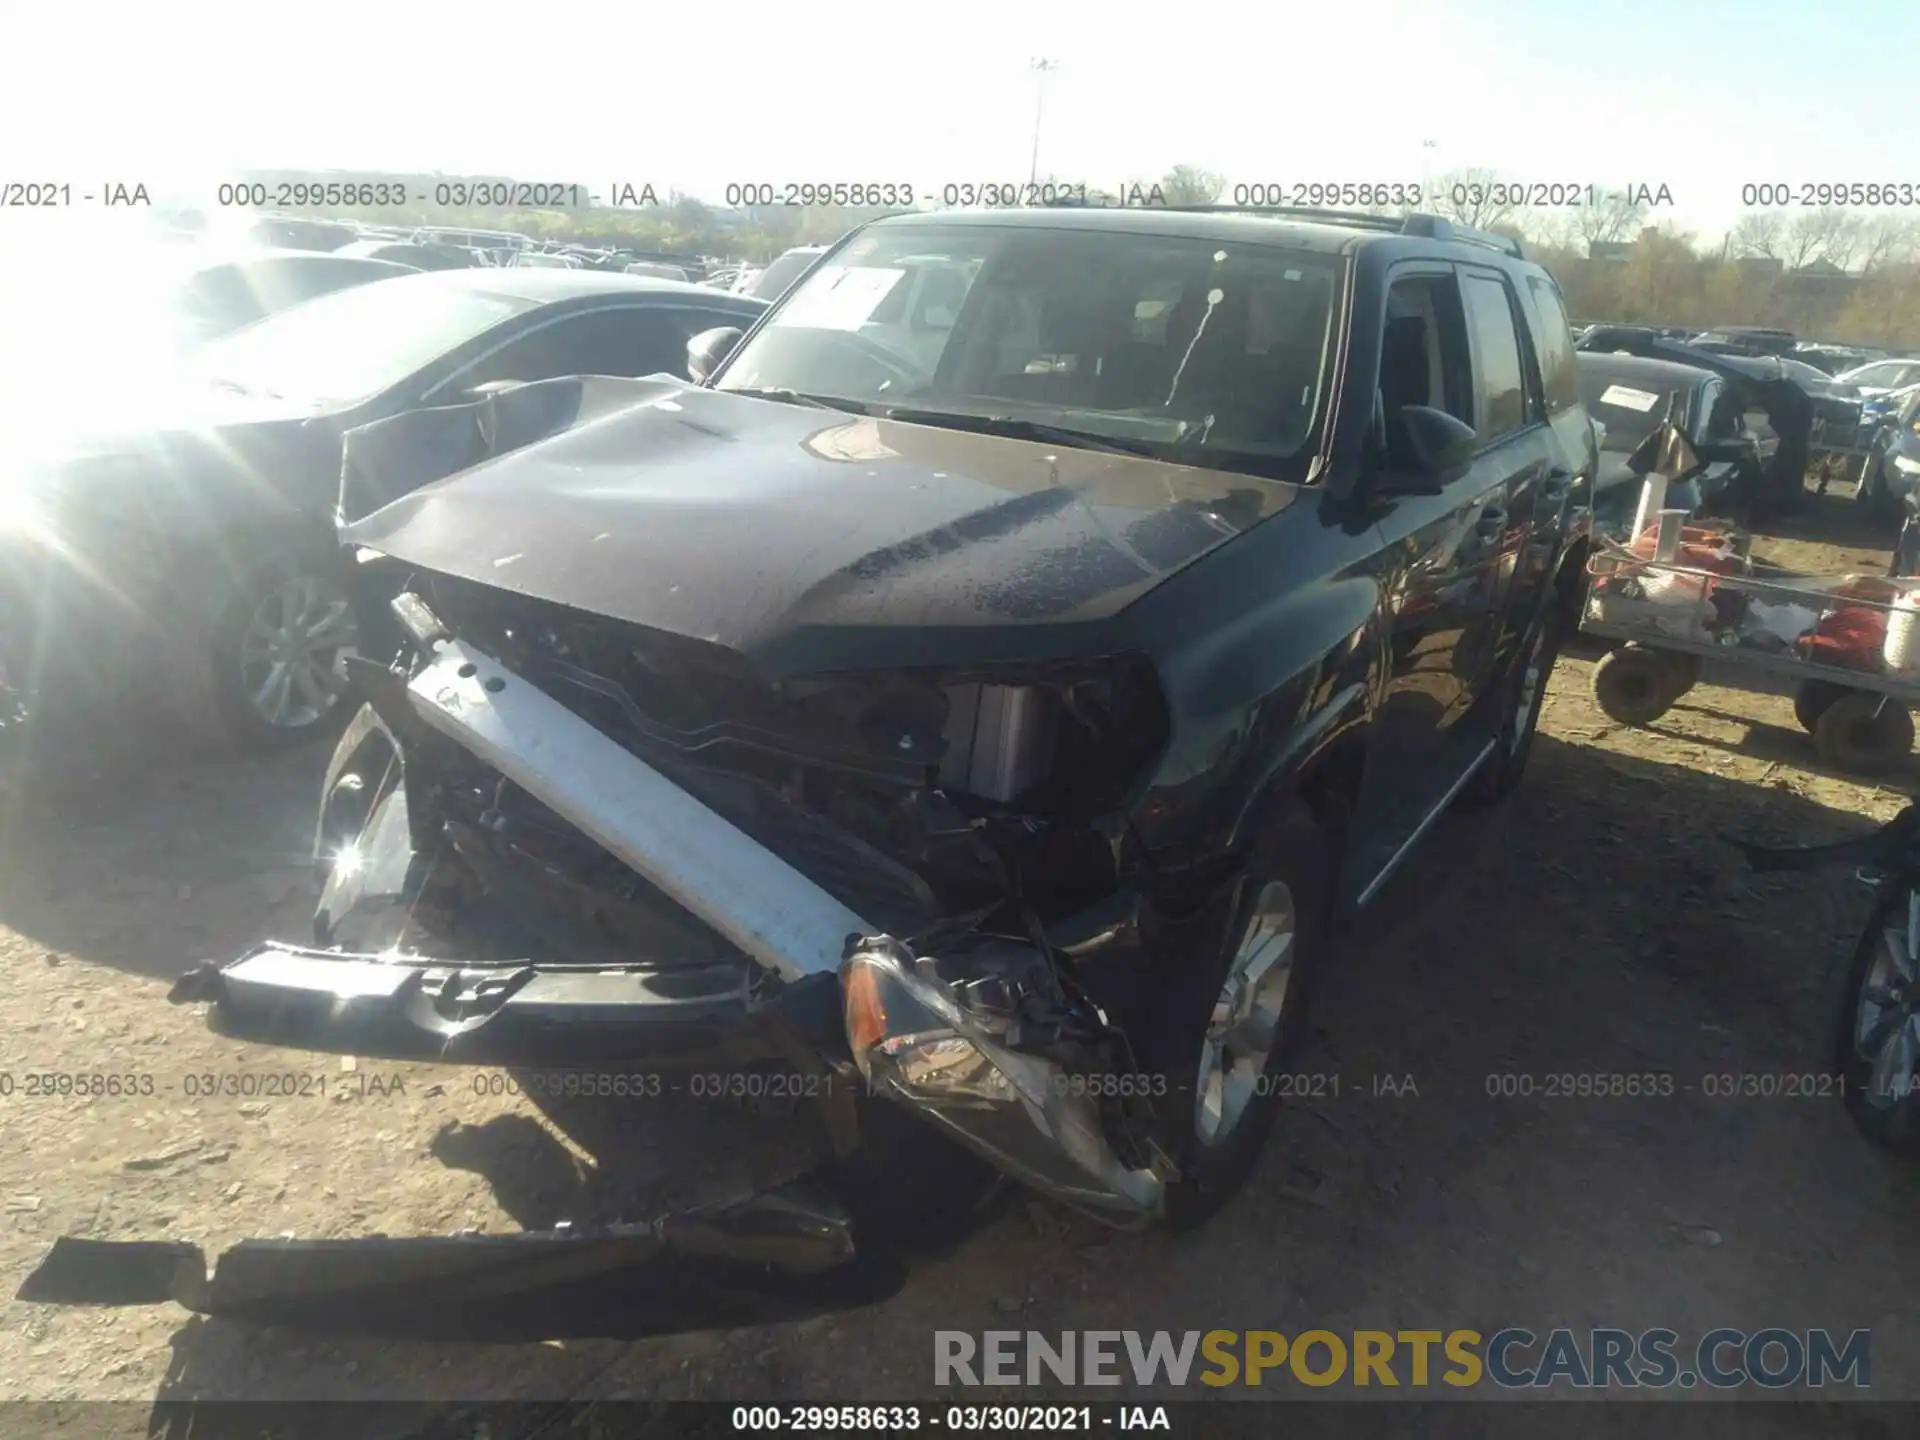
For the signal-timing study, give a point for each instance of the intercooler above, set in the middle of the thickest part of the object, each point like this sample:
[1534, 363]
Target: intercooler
[999, 740]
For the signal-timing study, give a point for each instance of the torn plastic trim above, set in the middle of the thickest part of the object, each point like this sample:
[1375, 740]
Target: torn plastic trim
[783, 1254]
[480, 1013]
[915, 1043]
[700, 860]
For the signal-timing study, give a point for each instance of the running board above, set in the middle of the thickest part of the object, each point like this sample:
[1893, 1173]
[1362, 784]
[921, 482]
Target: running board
[1395, 860]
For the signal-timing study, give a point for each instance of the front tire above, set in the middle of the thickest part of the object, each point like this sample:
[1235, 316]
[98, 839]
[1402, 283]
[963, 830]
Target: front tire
[1877, 1040]
[1232, 1013]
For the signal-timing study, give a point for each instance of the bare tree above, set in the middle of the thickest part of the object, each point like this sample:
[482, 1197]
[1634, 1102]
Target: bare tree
[1608, 220]
[1759, 234]
[1472, 197]
[1844, 233]
[1887, 240]
[1801, 240]
[1190, 185]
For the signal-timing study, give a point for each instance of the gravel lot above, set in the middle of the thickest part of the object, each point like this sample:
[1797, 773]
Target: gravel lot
[1595, 925]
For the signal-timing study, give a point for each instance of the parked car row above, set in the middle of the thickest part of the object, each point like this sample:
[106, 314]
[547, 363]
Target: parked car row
[215, 506]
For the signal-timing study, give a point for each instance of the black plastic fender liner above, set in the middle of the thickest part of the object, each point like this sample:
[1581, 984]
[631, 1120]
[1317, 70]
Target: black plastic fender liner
[786, 1254]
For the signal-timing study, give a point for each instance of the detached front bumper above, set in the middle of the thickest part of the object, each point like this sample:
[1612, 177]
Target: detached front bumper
[785, 1254]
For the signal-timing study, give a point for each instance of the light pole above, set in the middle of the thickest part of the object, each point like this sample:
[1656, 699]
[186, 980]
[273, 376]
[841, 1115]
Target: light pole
[1044, 68]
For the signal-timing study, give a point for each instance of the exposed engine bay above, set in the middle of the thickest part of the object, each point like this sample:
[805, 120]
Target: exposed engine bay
[912, 798]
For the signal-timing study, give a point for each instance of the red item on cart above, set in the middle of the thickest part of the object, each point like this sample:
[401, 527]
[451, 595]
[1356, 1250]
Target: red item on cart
[1852, 637]
[1702, 547]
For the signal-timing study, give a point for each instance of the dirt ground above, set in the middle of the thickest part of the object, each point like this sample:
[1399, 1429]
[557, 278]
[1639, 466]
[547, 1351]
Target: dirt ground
[1593, 925]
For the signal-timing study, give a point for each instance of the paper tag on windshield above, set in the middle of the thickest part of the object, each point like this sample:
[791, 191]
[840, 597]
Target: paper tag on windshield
[840, 297]
[1628, 399]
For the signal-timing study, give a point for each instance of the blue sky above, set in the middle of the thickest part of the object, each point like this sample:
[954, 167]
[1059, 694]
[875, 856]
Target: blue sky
[1701, 96]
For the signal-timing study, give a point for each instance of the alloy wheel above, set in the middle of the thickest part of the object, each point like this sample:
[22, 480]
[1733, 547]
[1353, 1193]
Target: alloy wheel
[293, 652]
[1245, 1021]
[1886, 1028]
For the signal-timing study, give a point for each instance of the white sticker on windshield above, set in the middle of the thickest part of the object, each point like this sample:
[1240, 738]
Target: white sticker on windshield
[840, 297]
[1630, 399]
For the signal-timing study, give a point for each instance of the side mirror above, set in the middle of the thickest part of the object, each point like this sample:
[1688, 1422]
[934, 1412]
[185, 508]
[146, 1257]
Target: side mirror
[1435, 449]
[706, 350]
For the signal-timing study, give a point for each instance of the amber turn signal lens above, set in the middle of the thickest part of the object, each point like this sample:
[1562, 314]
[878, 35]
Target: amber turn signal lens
[866, 1014]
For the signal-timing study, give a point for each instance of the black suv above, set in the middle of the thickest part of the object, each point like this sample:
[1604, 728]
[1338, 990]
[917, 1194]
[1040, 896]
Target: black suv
[975, 701]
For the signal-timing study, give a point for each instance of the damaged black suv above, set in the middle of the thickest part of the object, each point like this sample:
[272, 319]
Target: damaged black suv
[983, 691]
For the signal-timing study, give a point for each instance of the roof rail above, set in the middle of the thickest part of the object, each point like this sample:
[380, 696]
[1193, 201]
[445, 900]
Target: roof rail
[1433, 227]
[1430, 227]
[1296, 212]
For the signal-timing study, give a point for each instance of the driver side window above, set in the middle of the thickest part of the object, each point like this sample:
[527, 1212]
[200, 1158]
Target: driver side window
[1423, 356]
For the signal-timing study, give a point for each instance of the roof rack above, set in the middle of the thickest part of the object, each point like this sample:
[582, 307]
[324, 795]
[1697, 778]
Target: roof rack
[1429, 227]
[1433, 227]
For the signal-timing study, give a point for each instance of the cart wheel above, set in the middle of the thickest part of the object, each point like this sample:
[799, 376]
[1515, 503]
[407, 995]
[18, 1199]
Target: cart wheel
[1633, 687]
[1683, 672]
[1814, 698]
[1864, 732]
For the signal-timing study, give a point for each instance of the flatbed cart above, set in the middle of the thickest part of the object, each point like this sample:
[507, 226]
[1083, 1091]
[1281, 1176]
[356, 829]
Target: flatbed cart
[1658, 612]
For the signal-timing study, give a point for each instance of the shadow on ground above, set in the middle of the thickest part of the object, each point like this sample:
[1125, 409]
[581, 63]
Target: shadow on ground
[112, 838]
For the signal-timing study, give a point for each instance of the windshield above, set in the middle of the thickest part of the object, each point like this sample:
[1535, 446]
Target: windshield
[1880, 372]
[1203, 352]
[770, 282]
[1630, 412]
[354, 343]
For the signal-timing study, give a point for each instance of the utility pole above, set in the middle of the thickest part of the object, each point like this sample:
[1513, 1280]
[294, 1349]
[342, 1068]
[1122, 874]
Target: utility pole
[1043, 67]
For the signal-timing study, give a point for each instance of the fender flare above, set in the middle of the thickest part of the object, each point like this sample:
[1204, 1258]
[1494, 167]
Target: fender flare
[1349, 709]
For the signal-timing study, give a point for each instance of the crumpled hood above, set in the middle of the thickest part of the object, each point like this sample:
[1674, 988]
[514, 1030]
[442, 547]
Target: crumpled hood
[802, 538]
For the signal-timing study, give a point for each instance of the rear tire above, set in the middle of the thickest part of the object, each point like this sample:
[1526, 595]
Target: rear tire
[1526, 694]
[1813, 699]
[1239, 975]
[1683, 672]
[1632, 687]
[1864, 733]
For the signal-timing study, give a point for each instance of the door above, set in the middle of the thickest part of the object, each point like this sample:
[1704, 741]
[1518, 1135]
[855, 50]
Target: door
[1435, 575]
[1518, 501]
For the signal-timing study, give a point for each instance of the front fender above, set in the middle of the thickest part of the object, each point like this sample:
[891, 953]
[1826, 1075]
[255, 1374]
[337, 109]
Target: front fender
[1347, 712]
[1251, 707]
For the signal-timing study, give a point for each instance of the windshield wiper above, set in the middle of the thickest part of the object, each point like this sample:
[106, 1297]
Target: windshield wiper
[813, 402]
[220, 382]
[1018, 428]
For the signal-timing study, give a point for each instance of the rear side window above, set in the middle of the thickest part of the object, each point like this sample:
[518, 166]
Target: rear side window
[1499, 379]
[1553, 341]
